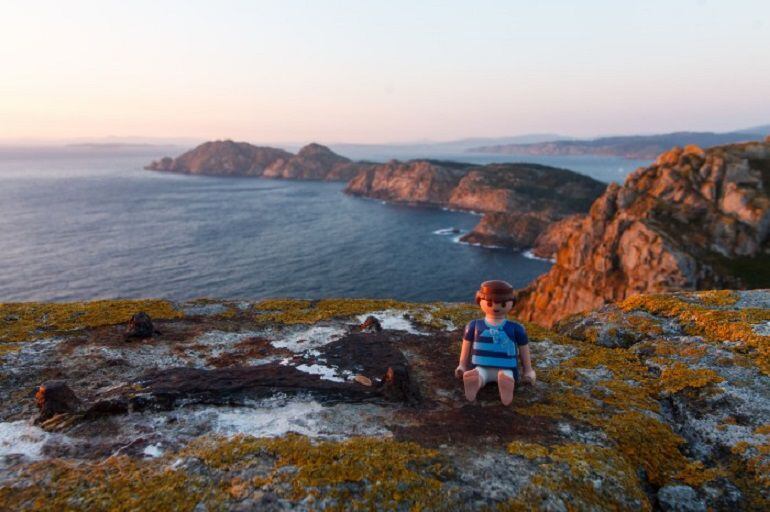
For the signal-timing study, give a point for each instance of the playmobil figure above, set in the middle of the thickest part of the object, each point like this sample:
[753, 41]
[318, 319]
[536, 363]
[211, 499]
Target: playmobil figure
[494, 345]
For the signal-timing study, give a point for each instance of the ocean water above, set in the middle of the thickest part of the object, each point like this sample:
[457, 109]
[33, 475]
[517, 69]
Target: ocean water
[81, 224]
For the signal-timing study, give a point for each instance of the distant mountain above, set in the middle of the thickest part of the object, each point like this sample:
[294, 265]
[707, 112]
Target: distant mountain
[402, 150]
[757, 130]
[640, 147]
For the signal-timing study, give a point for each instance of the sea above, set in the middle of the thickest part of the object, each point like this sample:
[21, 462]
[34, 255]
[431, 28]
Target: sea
[87, 222]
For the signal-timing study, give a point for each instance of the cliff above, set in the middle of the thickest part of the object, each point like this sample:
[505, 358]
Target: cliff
[519, 200]
[659, 402]
[693, 220]
[640, 147]
[228, 158]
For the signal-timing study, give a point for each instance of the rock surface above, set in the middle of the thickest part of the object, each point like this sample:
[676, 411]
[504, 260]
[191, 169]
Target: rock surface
[228, 158]
[518, 200]
[694, 219]
[657, 402]
[548, 242]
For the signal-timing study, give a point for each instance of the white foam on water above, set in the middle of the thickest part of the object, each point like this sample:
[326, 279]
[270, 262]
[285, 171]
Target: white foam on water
[22, 438]
[530, 255]
[312, 337]
[446, 231]
[473, 244]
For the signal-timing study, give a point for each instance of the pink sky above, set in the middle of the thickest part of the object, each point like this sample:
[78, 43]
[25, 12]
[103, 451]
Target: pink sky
[380, 71]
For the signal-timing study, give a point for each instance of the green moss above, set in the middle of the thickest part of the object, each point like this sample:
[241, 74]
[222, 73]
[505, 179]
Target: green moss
[24, 321]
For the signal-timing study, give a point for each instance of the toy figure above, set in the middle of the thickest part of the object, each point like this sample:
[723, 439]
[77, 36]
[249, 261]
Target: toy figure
[494, 345]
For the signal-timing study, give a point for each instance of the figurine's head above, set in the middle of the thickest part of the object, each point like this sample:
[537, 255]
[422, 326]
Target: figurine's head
[495, 298]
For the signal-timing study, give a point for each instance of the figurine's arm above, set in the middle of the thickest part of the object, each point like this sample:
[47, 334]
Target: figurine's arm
[526, 364]
[465, 359]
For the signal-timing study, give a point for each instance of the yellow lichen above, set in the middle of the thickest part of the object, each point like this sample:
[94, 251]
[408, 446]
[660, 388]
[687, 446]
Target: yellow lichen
[715, 325]
[527, 450]
[763, 430]
[23, 321]
[677, 377]
[116, 484]
[356, 474]
[385, 474]
[570, 472]
[648, 443]
[292, 311]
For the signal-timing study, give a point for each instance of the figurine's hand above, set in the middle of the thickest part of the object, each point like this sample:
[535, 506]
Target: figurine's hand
[460, 371]
[530, 376]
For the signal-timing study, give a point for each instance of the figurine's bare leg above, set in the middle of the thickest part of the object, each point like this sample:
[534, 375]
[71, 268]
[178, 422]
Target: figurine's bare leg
[473, 382]
[506, 385]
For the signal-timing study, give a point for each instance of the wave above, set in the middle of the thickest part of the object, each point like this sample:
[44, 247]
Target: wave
[530, 255]
[476, 244]
[447, 231]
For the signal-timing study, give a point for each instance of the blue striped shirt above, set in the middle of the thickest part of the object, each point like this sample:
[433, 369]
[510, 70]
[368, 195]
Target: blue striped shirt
[495, 346]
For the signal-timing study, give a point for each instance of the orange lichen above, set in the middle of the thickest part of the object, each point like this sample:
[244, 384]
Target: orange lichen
[715, 325]
[695, 474]
[718, 297]
[677, 377]
[648, 443]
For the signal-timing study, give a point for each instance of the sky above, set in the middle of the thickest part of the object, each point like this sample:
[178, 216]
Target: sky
[380, 71]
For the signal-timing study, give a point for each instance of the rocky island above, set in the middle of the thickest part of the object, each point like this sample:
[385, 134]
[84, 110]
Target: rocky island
[693, 220]
[519, 200]
[657, 402]
[228, 158]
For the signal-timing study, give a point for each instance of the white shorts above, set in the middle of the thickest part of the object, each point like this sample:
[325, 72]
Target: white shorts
[489, 374]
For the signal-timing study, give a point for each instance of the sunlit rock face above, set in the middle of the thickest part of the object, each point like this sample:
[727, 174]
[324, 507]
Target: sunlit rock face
[694, 219]
[298, 404]
[519, 201]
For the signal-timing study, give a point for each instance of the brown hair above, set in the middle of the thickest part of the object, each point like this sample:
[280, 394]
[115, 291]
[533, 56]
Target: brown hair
[496, 291]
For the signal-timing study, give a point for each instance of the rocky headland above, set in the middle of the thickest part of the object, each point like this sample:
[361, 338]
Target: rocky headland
[519, 200]
[658, 402]
[693, 220]
[228, 158]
